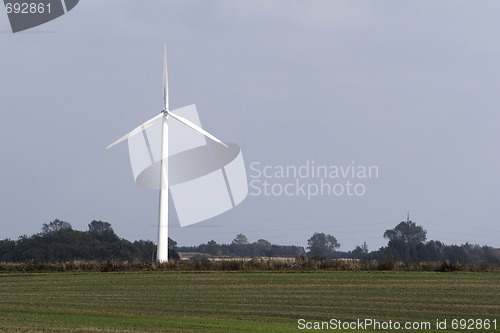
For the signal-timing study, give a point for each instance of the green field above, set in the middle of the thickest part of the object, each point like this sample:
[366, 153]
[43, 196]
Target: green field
[240, 301]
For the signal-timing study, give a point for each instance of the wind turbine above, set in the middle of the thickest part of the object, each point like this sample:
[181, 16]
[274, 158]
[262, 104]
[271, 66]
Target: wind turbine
[165, 114]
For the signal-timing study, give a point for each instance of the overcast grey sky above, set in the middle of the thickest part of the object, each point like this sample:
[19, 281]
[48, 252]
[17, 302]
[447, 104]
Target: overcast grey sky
[410, 87]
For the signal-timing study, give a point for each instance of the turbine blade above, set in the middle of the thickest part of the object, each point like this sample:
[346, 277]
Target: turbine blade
[165, 77]
[196, 128]
[138, 129]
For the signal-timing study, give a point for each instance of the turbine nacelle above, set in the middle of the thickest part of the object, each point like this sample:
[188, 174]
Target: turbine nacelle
[165, 113]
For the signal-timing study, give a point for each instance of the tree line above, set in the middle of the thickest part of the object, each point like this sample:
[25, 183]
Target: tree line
[407, 242]
[58, 241]
[241, 247]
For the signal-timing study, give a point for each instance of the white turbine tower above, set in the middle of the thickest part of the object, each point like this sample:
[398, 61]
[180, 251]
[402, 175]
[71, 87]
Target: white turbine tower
[165, 115]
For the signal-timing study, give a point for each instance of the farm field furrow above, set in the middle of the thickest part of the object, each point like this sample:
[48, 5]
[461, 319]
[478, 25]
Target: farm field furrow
[240, 301]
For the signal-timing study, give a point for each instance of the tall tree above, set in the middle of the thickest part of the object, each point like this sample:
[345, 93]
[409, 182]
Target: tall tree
[406, 240]
[322, 246]
[408, 232]
[263, 247]
[55, 225]
[240, 246]
[240, 240]
[102, 231]
[99, 227]
[213, 248]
